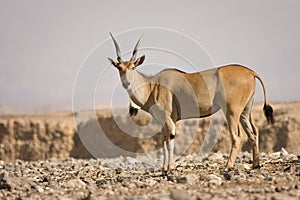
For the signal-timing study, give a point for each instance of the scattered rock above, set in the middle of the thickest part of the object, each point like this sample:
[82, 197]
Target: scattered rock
[287, 169]
[75, 183]
[4, 182]
[227, 176]
[189, 179]
[216, 156]
[243, 167]
[152, 182]
[214, 180]
[119, 170]
[140, 184]
[284, 152]
[2, 163]
[101, 182]
[275, 155]
[39, 189]
[178, 194]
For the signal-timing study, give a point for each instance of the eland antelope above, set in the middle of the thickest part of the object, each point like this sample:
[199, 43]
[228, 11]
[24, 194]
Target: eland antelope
[173, 95]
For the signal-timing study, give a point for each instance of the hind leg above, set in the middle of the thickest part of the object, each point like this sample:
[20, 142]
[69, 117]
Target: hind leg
[256, 146]
[251, 132]
[235, 132]
[232, 113]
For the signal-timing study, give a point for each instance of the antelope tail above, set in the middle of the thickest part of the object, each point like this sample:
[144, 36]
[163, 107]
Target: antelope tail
[268, 110]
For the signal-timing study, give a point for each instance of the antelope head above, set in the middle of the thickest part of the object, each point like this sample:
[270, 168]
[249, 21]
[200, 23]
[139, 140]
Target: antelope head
[126, 68]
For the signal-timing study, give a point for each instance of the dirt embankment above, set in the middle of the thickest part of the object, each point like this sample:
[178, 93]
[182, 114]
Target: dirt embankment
[39, 137]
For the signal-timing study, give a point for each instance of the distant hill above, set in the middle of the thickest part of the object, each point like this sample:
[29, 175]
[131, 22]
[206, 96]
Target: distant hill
[34, 108]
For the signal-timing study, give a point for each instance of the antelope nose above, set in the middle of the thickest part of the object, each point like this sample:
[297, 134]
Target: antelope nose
[125, 84]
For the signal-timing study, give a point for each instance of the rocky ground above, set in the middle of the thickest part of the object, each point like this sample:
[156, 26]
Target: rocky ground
[139, 178]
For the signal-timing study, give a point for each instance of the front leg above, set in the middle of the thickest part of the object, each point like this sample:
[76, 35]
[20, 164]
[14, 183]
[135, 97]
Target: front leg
[171, 144]
[162, 114]
[165, 152]
[171, 153]
[168, 145]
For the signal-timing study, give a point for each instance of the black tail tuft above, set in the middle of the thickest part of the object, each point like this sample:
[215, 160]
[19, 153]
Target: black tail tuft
[268, 110]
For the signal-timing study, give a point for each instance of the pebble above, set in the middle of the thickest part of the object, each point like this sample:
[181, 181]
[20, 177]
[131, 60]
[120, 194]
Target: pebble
[75, 183]
[243, 167]
[227, 176]
[39, 189]
[214, 180]
[4, 182]
[283, 152]
[189, 179]
[178, 194]
[152, 182]
[2, 163]
[215, 156]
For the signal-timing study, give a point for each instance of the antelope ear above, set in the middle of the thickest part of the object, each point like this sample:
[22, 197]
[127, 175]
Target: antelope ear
[139, 61]
[114, 63]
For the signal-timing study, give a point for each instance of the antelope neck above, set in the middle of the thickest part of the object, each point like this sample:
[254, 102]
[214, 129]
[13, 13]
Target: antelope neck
[141, 89]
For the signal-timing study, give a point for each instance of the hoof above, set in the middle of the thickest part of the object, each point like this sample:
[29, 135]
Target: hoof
[228, 169]
[164, 172]
[255, 164]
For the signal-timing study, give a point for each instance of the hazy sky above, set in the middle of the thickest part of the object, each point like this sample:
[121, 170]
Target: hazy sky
[44, 43]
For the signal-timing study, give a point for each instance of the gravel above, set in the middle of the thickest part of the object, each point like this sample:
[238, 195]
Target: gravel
[140, 178]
